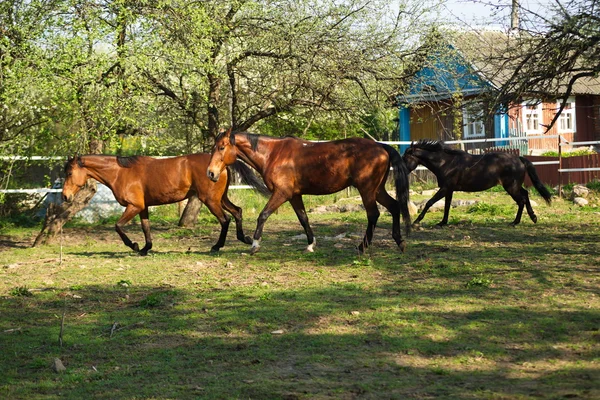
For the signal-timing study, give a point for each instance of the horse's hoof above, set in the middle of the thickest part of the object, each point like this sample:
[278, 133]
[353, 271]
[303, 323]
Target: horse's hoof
[135, 247]
[360, 249]
[143, 253]
[534, 219]
[215, 249]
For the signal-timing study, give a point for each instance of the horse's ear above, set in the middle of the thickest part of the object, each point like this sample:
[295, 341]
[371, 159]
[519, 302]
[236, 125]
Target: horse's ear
[231, 136]
[79, 160]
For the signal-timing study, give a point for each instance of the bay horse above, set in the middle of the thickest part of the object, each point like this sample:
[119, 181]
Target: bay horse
[292, 167]
[139, 182]
[457, 170]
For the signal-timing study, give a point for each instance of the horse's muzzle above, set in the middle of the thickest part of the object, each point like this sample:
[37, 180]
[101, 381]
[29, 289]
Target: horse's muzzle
[66, 198]
[212, 176]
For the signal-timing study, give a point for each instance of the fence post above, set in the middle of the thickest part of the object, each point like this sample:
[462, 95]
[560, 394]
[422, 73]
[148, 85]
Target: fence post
[559, 166]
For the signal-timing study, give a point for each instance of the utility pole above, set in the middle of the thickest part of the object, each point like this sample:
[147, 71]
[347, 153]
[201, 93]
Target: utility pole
[514, 17]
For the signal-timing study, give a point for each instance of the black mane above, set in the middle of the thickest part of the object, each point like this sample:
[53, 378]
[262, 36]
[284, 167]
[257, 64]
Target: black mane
[127, 162]
[436, 146]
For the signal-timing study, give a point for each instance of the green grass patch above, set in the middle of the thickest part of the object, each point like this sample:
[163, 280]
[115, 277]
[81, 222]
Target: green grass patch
[477, 309]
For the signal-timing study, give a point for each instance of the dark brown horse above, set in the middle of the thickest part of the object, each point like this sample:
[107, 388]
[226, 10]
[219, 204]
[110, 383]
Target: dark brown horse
[457, 170]
[292, 167]
[139, 182]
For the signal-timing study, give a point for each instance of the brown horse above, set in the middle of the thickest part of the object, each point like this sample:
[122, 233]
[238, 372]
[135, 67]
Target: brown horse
[139, 182]
[292, 167]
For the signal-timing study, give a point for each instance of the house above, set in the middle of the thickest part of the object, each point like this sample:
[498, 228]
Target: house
[448, 95]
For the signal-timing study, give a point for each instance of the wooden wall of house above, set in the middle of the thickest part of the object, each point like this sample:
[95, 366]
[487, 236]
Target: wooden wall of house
[587, 110]
[548, 112]
[432, 121]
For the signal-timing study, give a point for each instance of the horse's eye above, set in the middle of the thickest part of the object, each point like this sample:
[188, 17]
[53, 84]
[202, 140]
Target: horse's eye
[221, 148]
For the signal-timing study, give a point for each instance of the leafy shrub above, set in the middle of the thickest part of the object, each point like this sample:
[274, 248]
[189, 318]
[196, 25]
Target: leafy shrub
[21, 291]
[574, 153]
[479, 281]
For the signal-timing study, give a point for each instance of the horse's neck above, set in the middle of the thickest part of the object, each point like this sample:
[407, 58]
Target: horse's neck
[434, 163]
[253, 157]
[100, 168]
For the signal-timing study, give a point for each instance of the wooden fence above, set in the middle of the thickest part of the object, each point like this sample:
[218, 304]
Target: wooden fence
[549, 174]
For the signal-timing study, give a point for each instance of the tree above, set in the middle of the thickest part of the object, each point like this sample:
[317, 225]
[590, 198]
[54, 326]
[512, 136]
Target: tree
[553, 52]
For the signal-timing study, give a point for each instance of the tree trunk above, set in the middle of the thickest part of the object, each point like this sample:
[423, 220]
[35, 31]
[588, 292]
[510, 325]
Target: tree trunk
[190, 213]
[58, 215]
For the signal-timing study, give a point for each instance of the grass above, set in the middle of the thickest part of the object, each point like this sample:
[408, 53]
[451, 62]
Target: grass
[476, 310]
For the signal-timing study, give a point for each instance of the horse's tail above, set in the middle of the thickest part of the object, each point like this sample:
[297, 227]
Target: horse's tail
[401, 182]
[537, 183]
[250, 178]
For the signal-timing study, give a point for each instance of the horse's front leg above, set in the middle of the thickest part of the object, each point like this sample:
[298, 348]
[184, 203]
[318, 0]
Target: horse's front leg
[146, 229]
[130, 212]
[436, 197]
[447, 205]
[276, 200]
[237, 215]
[298, 206]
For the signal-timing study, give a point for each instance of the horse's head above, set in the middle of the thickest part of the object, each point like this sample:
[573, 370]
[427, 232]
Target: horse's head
[75, 177]
[223, 154]
[410, 157]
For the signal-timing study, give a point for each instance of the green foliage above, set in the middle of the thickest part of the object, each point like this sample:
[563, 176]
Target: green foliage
[573, 153]
[593, 185]
[20, 291]
[479, 282]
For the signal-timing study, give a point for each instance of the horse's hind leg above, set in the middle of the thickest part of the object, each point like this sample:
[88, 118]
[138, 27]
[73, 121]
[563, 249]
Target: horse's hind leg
[298, 206]
[130, 212]
[525, 195]
[372, 217]
[514, 190]
[215, 208]
[237, 216]
[146, 230]
[394, 208]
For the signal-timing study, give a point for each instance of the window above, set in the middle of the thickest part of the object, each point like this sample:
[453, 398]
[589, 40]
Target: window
[532, 117]
[566, 120]
[473, 125]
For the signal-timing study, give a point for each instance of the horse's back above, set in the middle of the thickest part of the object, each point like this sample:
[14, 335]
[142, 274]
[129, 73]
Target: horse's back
[326, 167]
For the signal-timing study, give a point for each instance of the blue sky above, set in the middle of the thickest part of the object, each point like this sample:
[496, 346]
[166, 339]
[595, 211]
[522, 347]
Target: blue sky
[491, 12]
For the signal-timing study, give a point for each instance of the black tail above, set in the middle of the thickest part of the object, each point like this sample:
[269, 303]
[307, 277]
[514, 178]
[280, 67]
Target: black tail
[250, 178]
[537, 183]
[401, 182]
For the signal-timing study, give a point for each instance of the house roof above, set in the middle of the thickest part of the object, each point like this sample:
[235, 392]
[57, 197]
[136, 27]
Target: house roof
[469, 62]
[495, 55]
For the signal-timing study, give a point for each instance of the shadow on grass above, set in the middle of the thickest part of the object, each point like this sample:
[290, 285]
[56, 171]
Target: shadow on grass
[336, 341]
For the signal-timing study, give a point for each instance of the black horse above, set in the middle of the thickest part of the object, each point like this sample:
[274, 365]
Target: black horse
[457, 170]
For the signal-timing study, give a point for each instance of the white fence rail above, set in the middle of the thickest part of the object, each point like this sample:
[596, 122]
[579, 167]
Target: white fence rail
[392, 143]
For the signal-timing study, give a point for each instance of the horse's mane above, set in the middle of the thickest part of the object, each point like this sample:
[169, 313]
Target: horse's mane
[253, 138]
[436, 146]
[127, 162]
